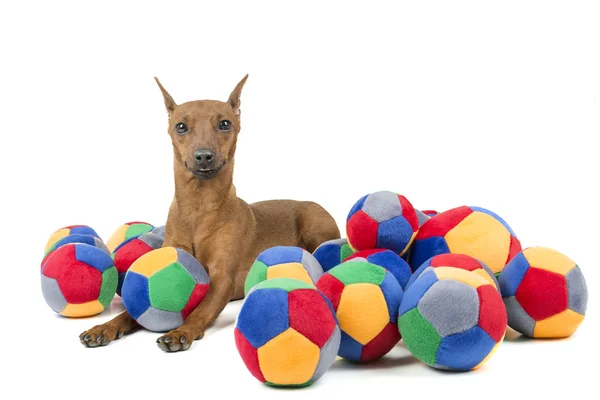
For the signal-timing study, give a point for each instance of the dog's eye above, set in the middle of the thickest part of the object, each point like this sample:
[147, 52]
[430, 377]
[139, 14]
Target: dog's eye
[181, 128]
[225, 125]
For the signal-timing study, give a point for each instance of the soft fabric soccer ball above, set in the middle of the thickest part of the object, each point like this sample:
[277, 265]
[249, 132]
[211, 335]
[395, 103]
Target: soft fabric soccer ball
[474, 231]
[79, 280]
[287, 333]
[382, 220]
[545, 293]
[129, 251]
[75, 238]
[461, 261]
[386, 259]
[67, 231]
[283, 262]
[452, 319]
[332, 253]
[366, 298]
[162, 288]
[127, 231]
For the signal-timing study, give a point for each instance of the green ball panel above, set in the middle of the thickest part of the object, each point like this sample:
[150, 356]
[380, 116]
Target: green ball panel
[420, 337]
[358, 272]
[257, 274]
[170, 288]
[110, 278]
[287, 284]
[345, 252]
[137, 230]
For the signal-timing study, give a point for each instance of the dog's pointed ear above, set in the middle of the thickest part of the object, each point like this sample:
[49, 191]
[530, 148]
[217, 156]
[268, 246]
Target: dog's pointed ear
[169, 102]
[234, 97]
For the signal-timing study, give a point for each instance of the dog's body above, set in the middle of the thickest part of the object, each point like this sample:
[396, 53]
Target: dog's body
[208, 220]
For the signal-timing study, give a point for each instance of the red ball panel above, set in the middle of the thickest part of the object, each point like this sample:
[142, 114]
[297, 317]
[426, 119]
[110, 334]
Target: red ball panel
[492, 312]
[249, 355]
[310, 315]
[542, 293]
[442, 223]
[381, 344]
[80, 283]
[461, 261]
[128, 253]
[408, 212]
[59, 261]
[196, 298]
[514, 249]
[332, 288]
[362, 231]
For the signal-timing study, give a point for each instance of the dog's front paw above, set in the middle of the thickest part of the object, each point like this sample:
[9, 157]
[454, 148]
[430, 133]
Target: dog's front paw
[100, 335]
[177, 340]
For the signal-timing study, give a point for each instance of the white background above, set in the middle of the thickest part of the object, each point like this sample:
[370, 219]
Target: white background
[448, 103]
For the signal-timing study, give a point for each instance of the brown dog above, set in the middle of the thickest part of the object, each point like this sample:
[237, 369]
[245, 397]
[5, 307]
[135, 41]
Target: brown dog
[208, 220]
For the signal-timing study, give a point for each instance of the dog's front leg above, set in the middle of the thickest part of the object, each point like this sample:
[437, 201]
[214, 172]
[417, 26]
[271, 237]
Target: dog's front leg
[219, 294]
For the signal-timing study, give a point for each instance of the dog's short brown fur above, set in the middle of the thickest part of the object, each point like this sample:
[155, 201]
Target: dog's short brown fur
[208, 220]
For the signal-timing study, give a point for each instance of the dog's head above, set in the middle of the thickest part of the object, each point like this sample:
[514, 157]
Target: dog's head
[204, 132]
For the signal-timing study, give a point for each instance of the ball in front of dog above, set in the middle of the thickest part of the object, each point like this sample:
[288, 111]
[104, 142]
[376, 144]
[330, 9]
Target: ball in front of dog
[386, 259]
[382, 220]
[283, 262]
[162, 288]
[287, 333]
[332, 253]
[365, 298]
[127, 231]
[78, 280]
[545, 293]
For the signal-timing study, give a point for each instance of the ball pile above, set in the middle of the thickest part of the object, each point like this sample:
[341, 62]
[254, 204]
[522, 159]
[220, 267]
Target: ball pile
[447, 284]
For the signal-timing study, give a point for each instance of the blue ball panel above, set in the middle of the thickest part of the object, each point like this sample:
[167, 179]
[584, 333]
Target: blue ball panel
[418, 272]
[350, 349]
[392, 292]
[393, 263]
[394, 234]
[135, 295]
[93, 256]
[511, 276]
[356, 207]
[83, 230]
[264, 315]
[464, 351]
[328, 256]
[422, 250]
[77, 238]
[415, 292]
[280, 255]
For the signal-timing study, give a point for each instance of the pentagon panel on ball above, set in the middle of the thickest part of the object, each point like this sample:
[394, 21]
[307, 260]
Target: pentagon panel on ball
[61, 233]
[386, 259]
[366, 298]
[162, 287]
[75, 238]
[545, 293]
[283, 262]
[287, 333]
[473, 231]
[461, 261]
[452, 319]
[382, 220]
[332, 253]
[129, 251]
[79, 280]
[127, 231]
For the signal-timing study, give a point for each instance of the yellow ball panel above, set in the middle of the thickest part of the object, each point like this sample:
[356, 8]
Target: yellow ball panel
[481, 236]
[362, 311]
[461, 275]
[151, 262]
[548, 259]
[83, 310]
[117, 238]
[490, 355]
[289, 270]
[288, 359]
[558, 326]
[55, 237]
[482, 273]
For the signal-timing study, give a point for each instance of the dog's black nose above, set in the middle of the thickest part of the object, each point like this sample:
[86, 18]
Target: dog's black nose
[204, 156]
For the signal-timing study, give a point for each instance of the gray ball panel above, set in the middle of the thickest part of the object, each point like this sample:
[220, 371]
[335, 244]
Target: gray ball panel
[160, 231]
[312, 265]
[100, 244]
[421, 217]
[152, 239]
[157, 320]
[577, 288]
[328, 355]
[52, 294]
[450, 306]
[518, 319]
[382, 206]
[193, 266]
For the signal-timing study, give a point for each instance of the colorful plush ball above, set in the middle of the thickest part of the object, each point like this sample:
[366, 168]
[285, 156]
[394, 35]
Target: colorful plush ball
[75, 238]
[127, 231]
[79, 280]
[452, 319]
[474, 231]
[129, 251]
[386, 259]
[162, 288]
[545, 293]
[67, 231]
[461, 261]
[287, 333]
[332, 253]
[283, 262]
[365, 297]
[382, 220]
